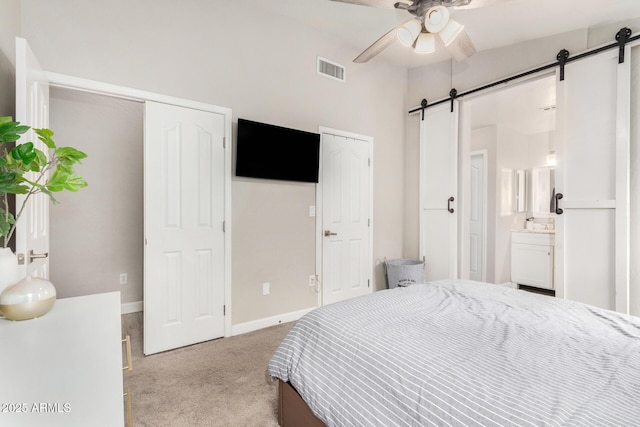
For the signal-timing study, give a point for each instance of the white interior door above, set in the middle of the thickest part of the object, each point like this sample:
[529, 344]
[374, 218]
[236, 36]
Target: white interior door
[593, 177]
[32, 109]
[184, 272]
[477, 216]
[438, 191]
[345, 182]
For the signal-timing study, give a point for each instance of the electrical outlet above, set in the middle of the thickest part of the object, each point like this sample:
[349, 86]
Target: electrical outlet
[312, 280]
[123, 278]
[266, 288]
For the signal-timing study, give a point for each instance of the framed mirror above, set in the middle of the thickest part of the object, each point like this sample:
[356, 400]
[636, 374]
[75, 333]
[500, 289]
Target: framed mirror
[542, 191]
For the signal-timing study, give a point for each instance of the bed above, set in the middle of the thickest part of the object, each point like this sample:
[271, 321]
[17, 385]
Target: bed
[459, 353]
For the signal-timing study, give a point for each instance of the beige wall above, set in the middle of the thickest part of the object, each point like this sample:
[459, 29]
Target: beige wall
[97, 233]
[10, 27]
[262, 66]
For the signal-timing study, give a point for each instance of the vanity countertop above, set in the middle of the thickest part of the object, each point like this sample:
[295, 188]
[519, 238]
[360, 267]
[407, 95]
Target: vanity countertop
[524, 230]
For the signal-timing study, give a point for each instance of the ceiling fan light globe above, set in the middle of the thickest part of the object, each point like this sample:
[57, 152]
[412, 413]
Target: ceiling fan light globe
[425, 43]
[436, 19]
[408, 32]
[450, 32]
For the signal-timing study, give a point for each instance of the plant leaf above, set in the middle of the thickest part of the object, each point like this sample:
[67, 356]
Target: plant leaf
[45, 135]
[24, 153]
[69, 155]
[61, 180]
[10, 131]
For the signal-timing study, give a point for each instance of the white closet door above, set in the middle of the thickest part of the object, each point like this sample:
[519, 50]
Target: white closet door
[438, 191]
[32, 109]
[593, 178]
[346, 212]
[184, 213]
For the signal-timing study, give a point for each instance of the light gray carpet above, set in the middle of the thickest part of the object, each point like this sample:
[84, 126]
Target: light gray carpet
[216, 383]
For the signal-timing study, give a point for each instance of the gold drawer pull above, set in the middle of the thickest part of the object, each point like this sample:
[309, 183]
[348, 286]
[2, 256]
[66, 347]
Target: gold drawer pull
[127, 395]
[127, 344]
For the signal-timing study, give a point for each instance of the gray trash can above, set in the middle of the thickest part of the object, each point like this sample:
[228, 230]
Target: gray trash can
[404, 272]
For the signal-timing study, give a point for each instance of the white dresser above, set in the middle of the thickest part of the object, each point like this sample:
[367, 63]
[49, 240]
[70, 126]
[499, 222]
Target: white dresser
[65, 368]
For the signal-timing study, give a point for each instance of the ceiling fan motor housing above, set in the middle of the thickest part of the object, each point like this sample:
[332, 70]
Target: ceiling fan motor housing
[420, 7]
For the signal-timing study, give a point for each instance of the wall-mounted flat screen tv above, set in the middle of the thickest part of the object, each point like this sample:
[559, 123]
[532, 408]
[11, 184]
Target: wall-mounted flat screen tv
[274, 152]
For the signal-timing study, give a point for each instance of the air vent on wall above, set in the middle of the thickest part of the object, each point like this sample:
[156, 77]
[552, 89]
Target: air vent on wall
[331, 69]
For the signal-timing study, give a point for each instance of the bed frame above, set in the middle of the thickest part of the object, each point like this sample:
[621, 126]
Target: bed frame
[293, 410]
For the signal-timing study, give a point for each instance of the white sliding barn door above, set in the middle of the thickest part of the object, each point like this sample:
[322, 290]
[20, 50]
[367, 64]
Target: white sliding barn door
[592, 237]
[184, 214]
[346, 213]
[32, 109]
[438, 191]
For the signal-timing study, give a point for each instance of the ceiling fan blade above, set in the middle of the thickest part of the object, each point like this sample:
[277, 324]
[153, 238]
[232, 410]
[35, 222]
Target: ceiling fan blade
[378, 46]
[387, 4]
[460, 48]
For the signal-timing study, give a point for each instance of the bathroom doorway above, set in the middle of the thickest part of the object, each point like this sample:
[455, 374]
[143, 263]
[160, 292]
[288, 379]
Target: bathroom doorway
[516, 129]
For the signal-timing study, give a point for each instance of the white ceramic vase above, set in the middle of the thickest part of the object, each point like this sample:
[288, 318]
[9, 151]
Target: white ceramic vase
[31, 297]
[8, 268]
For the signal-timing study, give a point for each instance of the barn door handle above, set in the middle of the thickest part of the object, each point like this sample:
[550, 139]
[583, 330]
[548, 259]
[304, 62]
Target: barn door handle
[558, 197]
[449, 208]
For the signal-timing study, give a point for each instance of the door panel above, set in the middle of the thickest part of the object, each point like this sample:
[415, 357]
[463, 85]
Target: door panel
[438, 191]
[437, 226]
[32, 108]
[184, 214]
[346, 199]
[590, 256]
[592, 175]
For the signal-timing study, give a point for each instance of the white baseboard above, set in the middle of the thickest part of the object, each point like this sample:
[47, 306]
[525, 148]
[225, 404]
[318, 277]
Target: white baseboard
[131, 307]
[254, 325]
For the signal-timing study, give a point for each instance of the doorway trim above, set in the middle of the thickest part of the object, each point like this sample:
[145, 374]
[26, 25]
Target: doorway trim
[115, 91]
[319, 224]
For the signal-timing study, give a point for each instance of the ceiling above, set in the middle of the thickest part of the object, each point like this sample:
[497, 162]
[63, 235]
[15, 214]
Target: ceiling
[501, 23]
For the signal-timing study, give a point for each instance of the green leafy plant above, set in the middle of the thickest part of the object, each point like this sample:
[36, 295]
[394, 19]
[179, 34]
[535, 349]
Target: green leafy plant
[24, 169]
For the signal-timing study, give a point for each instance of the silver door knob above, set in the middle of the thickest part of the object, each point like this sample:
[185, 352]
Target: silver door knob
[33, 256]
[328, 233]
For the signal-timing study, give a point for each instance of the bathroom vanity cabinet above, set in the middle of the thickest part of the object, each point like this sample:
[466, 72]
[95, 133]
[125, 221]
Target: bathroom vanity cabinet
[532, 258]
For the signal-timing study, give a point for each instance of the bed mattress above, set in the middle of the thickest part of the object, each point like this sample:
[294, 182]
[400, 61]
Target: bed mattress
[464, 353]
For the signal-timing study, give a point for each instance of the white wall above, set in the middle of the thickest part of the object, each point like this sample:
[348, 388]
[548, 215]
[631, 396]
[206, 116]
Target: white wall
[262, 65]
[486, 138]
[512, 154]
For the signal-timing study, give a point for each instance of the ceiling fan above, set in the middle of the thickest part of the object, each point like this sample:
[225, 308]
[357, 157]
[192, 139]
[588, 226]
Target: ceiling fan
[431, 21]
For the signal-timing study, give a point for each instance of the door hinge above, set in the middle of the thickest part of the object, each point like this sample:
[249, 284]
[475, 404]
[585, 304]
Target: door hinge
[224, 142]
[368, 222]
[224, 310]
[369, 161]
[368, 283]
[224, 226]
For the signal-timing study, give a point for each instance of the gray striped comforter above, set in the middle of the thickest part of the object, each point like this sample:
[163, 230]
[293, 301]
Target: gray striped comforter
[462, 353]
